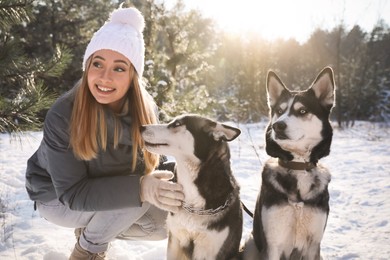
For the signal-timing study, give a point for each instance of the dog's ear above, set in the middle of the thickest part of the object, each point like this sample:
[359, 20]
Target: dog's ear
[275, 87]
[225, 132]
[324, 87]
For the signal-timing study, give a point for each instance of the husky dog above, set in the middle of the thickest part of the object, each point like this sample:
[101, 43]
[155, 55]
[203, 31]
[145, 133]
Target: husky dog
[293, 205]
[209, 224]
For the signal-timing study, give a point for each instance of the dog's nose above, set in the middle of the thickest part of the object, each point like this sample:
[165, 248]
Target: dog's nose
[142, 128]
[279, 127]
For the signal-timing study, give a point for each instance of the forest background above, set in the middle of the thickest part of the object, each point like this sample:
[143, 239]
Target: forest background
[191, 65]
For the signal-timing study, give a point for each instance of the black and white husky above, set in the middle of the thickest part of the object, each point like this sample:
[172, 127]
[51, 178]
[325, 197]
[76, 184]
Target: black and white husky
[209, 224]
[293, 204]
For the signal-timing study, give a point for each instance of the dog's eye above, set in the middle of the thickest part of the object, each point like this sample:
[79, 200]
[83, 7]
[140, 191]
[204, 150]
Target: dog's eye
[302, 111]
[176, 124]
[279, 111]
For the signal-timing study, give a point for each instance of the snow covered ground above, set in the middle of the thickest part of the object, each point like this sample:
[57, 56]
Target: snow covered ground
[358, 225]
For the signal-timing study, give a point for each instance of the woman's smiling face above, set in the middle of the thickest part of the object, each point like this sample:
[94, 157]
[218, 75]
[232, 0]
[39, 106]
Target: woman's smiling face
[109, 78]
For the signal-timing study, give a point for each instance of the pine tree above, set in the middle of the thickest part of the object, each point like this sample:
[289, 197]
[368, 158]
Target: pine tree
[178, 59]
[23, 96]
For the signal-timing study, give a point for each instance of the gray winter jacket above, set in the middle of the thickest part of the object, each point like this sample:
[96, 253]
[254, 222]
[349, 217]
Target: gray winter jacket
[104, 183]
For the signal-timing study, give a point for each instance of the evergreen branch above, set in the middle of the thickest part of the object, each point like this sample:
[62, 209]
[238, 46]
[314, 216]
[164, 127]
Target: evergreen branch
[14, 13]
[55, 67]
[9, 65]
[21, 113]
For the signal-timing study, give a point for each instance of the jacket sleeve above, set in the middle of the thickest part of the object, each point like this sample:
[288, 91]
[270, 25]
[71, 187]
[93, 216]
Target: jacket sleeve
[73, 185]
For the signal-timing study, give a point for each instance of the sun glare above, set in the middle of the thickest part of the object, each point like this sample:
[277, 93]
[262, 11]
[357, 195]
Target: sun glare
[285, 19]
[270, 19]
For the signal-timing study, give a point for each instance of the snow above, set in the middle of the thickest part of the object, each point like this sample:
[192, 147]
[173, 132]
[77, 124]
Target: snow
[162, 83]
[358, 225]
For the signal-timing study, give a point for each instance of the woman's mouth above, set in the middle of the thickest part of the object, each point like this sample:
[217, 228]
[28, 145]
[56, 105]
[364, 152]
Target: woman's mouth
[105, 89]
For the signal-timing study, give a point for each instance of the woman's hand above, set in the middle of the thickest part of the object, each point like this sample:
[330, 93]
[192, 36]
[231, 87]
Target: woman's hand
[159, 191]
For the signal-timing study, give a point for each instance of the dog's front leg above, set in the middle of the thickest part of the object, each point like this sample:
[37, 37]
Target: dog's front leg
[175, 250]
[313, 251]
[250, 251]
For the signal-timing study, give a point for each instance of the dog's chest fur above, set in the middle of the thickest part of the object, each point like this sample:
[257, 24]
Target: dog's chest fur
[187, 176]
[293, 185]
[191, 223]
[293, 207]
[201, 196]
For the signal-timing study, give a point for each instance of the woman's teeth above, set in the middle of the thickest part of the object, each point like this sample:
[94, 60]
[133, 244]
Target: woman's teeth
[104, 89]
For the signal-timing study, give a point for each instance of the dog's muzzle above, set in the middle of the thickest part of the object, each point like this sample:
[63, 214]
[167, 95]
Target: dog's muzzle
[279, 129]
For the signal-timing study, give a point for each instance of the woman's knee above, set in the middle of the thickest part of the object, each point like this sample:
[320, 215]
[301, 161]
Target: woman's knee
[57, 213]
[151, 226]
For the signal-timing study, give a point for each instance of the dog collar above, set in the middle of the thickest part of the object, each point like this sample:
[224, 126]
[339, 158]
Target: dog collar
[208, 212]
[297, 165]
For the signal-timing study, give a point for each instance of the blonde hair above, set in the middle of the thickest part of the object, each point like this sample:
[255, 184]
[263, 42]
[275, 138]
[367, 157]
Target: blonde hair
[88, 128]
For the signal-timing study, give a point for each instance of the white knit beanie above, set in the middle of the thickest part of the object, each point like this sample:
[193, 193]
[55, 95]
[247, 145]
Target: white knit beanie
[121, 33]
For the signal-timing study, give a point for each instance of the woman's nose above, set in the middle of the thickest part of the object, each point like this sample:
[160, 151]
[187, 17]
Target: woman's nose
[106, 75]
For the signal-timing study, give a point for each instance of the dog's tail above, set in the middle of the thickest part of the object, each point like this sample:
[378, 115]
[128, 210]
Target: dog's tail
[246, 210]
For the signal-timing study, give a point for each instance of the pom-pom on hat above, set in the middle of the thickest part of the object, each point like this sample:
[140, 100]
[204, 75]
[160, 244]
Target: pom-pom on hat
[121, 33]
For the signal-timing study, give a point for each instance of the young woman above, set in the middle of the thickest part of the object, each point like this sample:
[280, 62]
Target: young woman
[91, 171]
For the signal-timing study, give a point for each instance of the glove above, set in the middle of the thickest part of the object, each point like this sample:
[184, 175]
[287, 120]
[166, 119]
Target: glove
[159, 191]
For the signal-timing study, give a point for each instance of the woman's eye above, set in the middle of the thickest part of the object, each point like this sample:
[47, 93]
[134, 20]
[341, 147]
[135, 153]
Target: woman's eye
[97, 64]
[119, 69]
